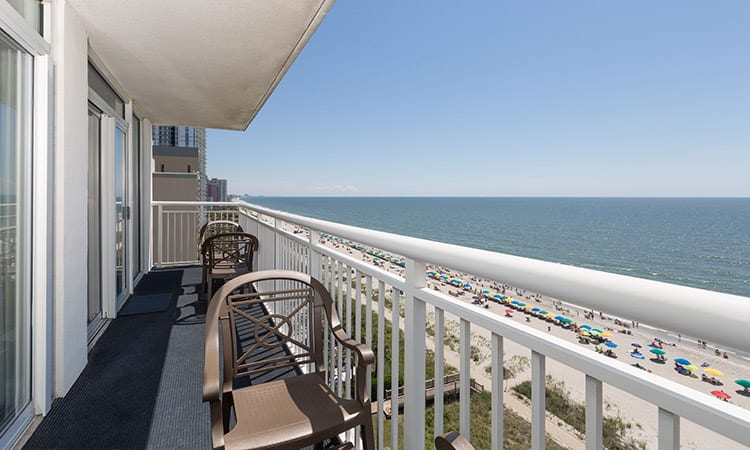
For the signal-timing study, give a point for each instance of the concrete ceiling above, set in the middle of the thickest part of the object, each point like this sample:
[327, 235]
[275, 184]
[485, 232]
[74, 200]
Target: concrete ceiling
[205, 63]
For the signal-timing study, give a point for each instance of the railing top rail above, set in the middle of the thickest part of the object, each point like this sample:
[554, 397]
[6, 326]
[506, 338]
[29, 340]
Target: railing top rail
[718, 317]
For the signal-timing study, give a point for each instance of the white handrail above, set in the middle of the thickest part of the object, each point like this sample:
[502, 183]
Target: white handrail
[717, 317]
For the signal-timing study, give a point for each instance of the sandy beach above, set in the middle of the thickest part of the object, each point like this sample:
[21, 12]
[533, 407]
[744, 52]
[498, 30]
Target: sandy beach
[616, 402]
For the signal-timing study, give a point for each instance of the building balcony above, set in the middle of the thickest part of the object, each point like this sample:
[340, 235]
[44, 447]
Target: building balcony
[142, 386]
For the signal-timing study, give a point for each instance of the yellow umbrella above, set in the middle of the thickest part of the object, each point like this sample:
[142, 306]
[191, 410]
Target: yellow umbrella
[529, 306]
[691, 367]
[711, 371]
[607, 334]
[550, 314]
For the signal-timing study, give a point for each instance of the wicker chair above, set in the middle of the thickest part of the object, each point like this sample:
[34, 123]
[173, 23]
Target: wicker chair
[281, 312]
[225, 256]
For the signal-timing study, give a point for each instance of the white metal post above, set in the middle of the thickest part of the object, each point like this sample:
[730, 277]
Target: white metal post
[414, 364]
[669, 430]
[439, 369]
[538, 394]
[594, 415]
[465, 373]
[497, 391]
[380, 363]
[160, 240]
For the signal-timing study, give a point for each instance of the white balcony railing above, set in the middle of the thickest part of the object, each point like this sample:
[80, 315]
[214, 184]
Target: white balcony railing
[720, 318]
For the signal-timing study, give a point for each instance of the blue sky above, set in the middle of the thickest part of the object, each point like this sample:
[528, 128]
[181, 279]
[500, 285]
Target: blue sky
[506, 98]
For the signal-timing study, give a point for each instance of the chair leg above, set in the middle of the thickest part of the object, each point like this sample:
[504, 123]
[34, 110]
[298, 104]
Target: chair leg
[368, 435]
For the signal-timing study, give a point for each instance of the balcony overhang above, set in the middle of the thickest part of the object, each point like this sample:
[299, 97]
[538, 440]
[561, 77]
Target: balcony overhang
[199, 63]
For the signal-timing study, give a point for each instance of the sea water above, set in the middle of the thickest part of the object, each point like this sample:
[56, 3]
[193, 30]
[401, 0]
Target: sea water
[698, 242]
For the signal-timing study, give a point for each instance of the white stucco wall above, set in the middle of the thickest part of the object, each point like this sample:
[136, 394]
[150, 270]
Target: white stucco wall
[69, 52]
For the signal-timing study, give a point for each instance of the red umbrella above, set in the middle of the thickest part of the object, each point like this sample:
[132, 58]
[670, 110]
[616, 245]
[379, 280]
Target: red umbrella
[509, 311]
[721, 394]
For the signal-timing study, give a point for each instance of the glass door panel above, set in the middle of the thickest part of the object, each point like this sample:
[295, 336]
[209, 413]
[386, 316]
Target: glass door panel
[15, 304]
[121, 211]
[94, 218]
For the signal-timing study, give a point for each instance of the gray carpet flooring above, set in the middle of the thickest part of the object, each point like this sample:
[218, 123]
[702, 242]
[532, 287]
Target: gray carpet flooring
[142, 385]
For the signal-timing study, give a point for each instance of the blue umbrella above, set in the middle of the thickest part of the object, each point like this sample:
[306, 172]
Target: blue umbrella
[498, 296]
[535, 309]
[586, 327]
[682, 361]
[636, 345]
[467, 285]
[610, 344]
[637, 356]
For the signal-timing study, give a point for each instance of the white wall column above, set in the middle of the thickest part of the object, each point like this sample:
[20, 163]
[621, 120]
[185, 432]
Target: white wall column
[70, 55]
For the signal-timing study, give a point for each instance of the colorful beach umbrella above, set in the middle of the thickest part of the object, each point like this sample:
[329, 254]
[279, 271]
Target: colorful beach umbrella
[566, 320]
[498, 296]
[657, 351]
[486, 291]
[535, 309]
[636, 345]
[610, 344]
[605, 334]
[744, 383]
[691, 367]
[509, 311]
[721, 394]
[588, 327]
[596, 330]
[714, 372]
[543, 313]
[682, 361]
[637, 355]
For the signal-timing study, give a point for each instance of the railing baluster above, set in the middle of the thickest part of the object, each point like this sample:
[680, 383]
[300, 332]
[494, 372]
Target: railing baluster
[497, 391]
[339, 348]
[538, 394]
[439, 370]
[348, 322]
[395, 354]
[380, 365]
[669, 430]
[594, 416]
[368, 321]
[414, 349]
[160, 235]
[465, 377]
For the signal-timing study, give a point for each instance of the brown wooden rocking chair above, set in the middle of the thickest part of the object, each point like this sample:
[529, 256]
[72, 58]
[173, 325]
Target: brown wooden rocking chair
[281, 312]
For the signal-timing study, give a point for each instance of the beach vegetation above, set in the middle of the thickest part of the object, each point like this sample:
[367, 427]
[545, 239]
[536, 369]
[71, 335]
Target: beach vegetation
[516, 430]
[615, 429]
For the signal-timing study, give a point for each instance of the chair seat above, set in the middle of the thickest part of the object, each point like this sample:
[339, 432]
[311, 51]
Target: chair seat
[292, 409]
[221, 271]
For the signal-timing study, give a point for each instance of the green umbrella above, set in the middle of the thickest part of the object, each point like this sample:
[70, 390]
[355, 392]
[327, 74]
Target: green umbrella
[596, 330]
[658, 351]
[744, 383]
[542, 313]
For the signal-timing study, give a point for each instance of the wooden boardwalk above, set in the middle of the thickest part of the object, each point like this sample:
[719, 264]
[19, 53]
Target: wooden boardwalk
[451, 385]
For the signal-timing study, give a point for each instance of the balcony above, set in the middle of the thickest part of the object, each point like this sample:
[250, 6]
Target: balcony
[160, 355]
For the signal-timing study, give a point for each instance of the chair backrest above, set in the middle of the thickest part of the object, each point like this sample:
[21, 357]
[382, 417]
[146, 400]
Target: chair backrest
[230, 250]
[269, 320]
[215, 227]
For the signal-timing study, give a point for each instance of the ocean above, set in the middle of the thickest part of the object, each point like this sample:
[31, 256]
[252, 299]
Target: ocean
[698, 242]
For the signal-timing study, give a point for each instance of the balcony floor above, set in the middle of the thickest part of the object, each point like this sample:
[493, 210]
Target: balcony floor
[142, 385]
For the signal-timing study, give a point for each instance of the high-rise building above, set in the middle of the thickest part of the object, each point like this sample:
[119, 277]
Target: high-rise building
[179, 137]
[216, 190]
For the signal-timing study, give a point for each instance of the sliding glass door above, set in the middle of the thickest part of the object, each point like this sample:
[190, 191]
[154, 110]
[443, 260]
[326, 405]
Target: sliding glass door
[15, 303]
[121, 214]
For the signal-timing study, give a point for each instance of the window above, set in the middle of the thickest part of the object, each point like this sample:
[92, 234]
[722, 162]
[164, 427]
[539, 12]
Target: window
[188, 168]
[162, 167]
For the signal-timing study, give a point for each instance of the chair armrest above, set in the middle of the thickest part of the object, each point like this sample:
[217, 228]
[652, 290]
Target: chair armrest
[212, 363]
[364, 353]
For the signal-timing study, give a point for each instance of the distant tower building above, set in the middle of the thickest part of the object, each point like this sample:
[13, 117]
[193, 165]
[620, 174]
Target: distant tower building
[216, 190]
[166, 136]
